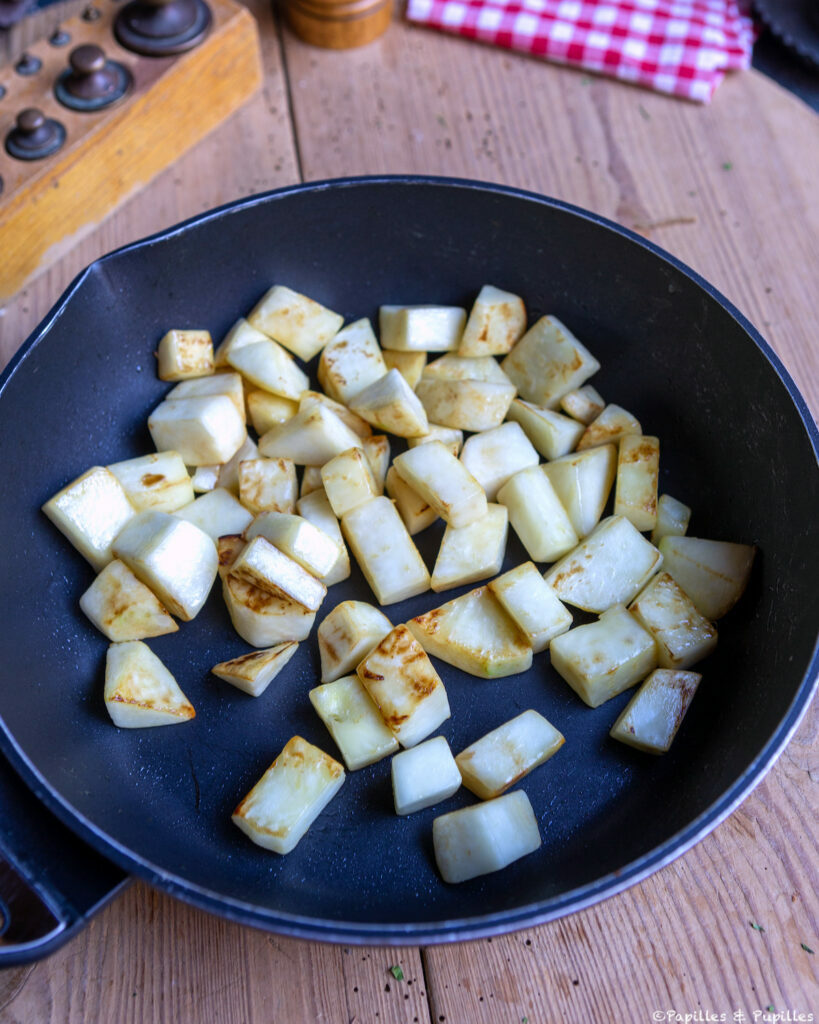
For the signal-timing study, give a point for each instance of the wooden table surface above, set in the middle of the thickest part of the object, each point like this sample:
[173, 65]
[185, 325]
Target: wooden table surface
[731, 189]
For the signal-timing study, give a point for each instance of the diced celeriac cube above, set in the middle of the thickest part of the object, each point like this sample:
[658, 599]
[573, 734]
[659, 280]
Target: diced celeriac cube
[300, 324]
[583, 404]
[315, 508]
[261, 619]
[504, 756]
[432, 471]
[547, 362]
[347, 635]
[172, 557]
[652, 717]
[471, 553]
[611, 566]
[217, 513]
[229, 384]
[485, 837]
[682, 635]
[464, 404]
[495, 455]
[551, 433]
[240, 335]
[268, 485]
[455, 367]
[353, 721]
[298, 538]
[158, 481]
[228, 548]
[254, 672]
[377, 449]
[638, 471]
[416, 511]
[583, 482]
[449, 436]
[474, 633]
[229, 472]
[311, 481]
[205, 478]
[267, 411]
[421, 328]
[140, 691]
[406, 689]
[310, 438]
[350, 361]
[390, 404]
[532, 605]
[409, 364]
[496, 322]
[537, 516]
[672, 519]
[360, 427]
[269, 367]
[713, 573]
[205, 431]
[123, 608]
[613, 423]
[385, 551]
[348, 480]
[603, 658]
[184, 354]
[266, 567]
[90, 512]
[289, 797]
[423, 776]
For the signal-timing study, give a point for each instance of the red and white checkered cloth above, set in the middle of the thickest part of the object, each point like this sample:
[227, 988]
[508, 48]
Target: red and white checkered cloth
[683, 47]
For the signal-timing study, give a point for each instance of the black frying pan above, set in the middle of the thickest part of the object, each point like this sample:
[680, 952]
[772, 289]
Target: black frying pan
[738, 445]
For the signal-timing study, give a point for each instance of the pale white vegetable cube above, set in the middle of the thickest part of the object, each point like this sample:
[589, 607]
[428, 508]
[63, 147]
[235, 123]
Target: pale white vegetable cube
[310, 438]
[269, 367]
[494, 456]
[268, 485]
[377, 449]
[353, 721]
[449, 436]
[289, 797]
[652, 717]
[90, 512]
[240, 335]
[205, 431]
[672, 519]
[547, 362]
[474, 633]
[682, 635]
[638, 471]
[504, 756]
[471, 553]
[583, 482]
[158, 481]
[485, 837]
[350, 361]
[172, 557]
[262, 619]
[611, 566]
[347, 635]
[311, 481]
[298, 538]
[123, 608]
[464, 404]
[583, 404]
[390, 404]
[385, 552]
[406, 689]
[603, 658]
[253, 673]
[552, 434]
[713, 573]
[229, 384]
[348, 480]
[423, 776]
[421, 328]
[496, 322]
[183, 354]
[360, 427]
[140, 692]
[613, 423]
[416, 511]
[300, 324]
[409, 364]
[217, 513]
[267, 411]
[229, 472]
[455, 367]
[537, 515]
[532, 605]
[315, 508]
[205, 478]
[433, 472]
[266, 567]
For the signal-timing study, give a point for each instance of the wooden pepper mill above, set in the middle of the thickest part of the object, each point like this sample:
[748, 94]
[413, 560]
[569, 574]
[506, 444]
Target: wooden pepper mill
[338, 24]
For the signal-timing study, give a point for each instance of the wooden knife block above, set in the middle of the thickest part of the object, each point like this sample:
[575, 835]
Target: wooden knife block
[47, 204]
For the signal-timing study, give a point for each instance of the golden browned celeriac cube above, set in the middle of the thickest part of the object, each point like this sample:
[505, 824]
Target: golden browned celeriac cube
[471, 553]
[253, 673]
[205, 431]
[583, 483]
[229, 384]
[714, 573]
[172, 557]
[464, 404]
[315, 508]
[409, 364]
[421, 328]
[532, 605]
[299, 323]
[347, 635]
[583, 404]
[603, 658]
[310, 438]
[551, 433]
[485, 837]
[537, 515]
[682, 635]
[268, 485]
[298, 538]
[390, 404]
[474, 633]
[264, 566]
[360, 427]
[310, 481]
[269, 367]
[184, 354]
[672, 519]
[455, 367]
[496, 322]
[404, 686]
[547, 362]
[90, 512]
[495, 455]
[416, 511]
[229, 472]
[350, 361]
[123, 608]
[205, 478]
[613, 423]
[611, 566]
[424, 775]
[240, 335]
[140, 692]
[504, 756]
[638, 471]
[267, 411]
[377, 449]
[445, 483]
[449, 436]
[228, 548]
[384, 551]
[289, 797]
[217, 513]
[353, 721]
[158, 481]
[261, 619]
[652, 717]
[348, 480]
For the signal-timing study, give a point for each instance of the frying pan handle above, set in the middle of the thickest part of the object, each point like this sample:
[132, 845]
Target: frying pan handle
[30, 924]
